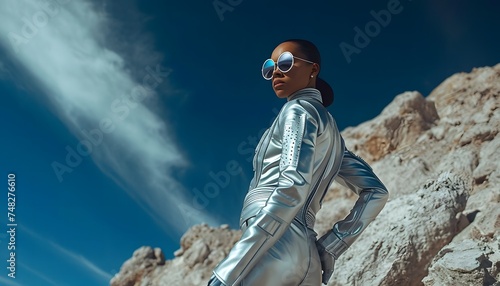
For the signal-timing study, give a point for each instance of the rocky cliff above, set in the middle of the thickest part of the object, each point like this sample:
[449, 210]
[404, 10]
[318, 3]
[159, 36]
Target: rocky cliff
[438, 156]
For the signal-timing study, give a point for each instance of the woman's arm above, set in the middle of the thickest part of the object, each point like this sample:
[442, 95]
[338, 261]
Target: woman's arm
[298, 130]
[360, 178]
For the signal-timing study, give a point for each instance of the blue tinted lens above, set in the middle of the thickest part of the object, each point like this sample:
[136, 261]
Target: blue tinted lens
[268, 69]
[285, 62]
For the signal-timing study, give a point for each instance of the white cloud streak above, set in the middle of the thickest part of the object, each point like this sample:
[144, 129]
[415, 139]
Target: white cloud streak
[80, 260]
[64, 48]
[39, 275]
[68, 256]
[8, 281]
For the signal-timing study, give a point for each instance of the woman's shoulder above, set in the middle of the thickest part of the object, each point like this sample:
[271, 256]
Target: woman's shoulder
[304, 106]
[312, 110]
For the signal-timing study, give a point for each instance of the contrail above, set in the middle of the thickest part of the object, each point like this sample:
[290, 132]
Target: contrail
[68, 256]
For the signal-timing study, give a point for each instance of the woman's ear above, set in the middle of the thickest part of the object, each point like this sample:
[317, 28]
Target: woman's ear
[315, 69]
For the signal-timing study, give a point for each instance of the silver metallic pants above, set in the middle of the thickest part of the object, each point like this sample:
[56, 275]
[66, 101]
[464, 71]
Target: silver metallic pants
[293, 260]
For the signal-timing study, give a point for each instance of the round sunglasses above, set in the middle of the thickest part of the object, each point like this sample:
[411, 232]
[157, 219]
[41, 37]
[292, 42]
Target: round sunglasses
[284, 64]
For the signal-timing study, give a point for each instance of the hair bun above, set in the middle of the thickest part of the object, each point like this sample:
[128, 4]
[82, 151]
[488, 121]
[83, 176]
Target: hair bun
[326, 91]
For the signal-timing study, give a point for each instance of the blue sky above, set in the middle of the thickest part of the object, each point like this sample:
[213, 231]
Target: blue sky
[127, 122]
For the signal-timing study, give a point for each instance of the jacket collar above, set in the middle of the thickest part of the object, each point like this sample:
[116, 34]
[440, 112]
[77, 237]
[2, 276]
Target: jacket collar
[307, 92]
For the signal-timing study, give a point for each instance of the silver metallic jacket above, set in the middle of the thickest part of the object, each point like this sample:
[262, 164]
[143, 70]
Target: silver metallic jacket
[295, 161]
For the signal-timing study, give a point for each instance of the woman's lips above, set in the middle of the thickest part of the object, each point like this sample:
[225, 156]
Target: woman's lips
[278, 83]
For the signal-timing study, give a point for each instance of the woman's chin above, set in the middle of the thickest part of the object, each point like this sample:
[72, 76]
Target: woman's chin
[281, 93]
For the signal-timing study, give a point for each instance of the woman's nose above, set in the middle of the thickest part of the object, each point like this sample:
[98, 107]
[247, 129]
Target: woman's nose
[277, 72]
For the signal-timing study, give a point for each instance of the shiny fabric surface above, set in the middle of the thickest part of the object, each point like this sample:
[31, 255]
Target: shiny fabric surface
[295, 162]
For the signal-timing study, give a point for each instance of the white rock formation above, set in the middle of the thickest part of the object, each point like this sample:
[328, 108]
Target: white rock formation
[396, 249]
[439, 157]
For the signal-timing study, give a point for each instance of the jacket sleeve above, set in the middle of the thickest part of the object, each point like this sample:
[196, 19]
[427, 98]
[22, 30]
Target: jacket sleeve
[298, 131]
[357, 175]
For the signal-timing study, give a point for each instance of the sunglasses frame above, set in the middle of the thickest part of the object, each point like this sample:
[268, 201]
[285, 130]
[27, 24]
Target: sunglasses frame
[276, 64]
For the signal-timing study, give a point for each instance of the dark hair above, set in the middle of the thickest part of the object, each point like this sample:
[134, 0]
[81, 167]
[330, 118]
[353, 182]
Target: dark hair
[311, 53]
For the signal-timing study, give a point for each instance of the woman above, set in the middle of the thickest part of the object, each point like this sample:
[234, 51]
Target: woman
[295, 161]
